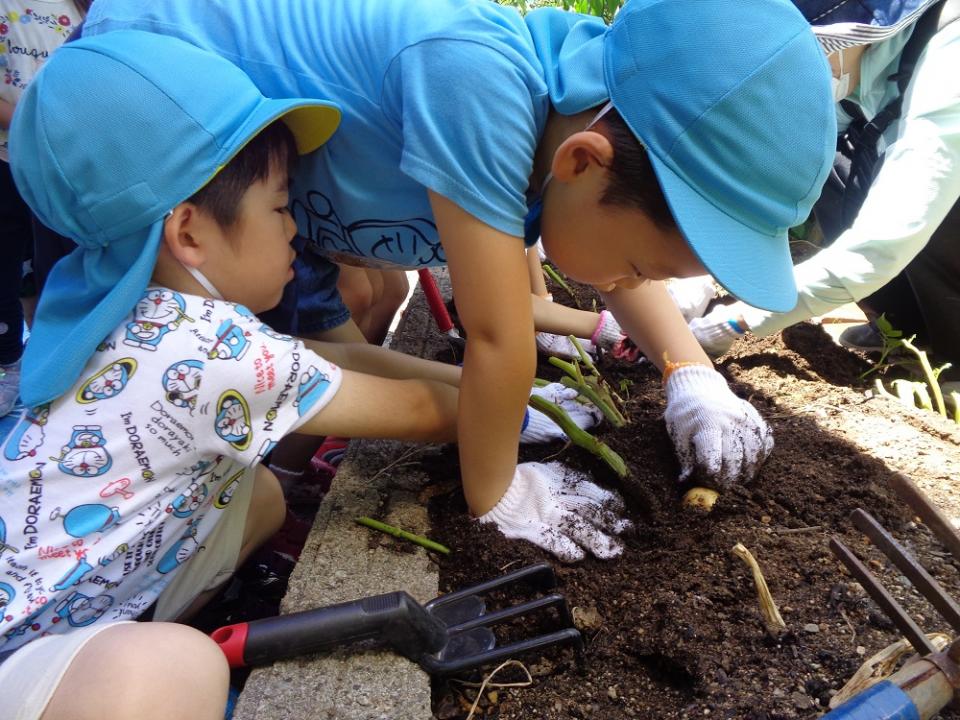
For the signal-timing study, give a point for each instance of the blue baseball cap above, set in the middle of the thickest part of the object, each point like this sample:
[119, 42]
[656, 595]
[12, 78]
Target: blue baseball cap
[731, 99]
[112, 133]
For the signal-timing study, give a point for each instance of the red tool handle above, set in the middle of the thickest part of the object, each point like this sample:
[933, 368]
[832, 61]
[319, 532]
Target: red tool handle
[232, 639]
[437, 307]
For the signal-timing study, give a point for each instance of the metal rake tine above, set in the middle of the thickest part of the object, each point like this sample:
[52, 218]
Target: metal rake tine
[541, 572]
[499, 616]
[907, 564]
[905, 624]
[931, 516]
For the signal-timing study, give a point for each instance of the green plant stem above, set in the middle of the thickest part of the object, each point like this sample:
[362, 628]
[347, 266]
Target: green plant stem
[591, 389]
[584, 355]
[579, 436]
[540, 382]
[558, 279]
[928, 373]
[403, 535]
[955, 399]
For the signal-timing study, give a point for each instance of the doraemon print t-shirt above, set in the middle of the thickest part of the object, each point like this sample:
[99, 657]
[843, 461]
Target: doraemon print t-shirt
[106, 491]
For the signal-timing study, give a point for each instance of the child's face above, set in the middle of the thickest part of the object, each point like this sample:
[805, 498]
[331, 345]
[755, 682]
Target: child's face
[607, 246]
[251, 262]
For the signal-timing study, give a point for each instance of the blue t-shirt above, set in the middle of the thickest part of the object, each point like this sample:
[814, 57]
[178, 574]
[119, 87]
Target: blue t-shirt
[446, 95]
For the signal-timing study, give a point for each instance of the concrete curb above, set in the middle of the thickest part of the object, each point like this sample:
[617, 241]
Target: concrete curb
[344, 561]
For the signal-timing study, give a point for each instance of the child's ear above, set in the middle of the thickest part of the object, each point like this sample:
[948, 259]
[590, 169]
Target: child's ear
[580, 152]
[183, 234]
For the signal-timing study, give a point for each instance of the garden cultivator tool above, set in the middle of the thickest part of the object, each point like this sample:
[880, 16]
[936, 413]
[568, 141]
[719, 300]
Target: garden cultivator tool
[437, 308]
[447, 635]
[920, 689]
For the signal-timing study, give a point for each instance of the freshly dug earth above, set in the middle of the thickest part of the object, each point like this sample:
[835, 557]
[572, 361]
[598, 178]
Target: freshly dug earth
[673, 628]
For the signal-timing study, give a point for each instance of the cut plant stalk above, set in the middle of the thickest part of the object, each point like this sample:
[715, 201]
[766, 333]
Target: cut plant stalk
[579, 436]
[929, 373]
[558, 279]
[403, 535]
[772, 620]
[592, 386]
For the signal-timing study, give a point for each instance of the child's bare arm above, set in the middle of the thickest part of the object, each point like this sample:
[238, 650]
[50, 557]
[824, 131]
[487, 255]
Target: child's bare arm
[489, 272]
[376, 360]
[367, 406]
[652, 320]
[348, 332]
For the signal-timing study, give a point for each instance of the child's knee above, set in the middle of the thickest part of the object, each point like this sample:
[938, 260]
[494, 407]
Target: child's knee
[168, 670]
[395, 287]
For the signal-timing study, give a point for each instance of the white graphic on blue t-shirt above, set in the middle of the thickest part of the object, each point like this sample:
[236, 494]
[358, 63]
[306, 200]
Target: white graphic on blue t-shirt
[409, 242]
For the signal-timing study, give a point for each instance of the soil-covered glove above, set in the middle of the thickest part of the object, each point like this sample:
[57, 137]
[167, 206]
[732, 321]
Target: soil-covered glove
[717, 330]
[560, 345]
[718, 437]
[559, 510]
[538, 428]
[692, 295]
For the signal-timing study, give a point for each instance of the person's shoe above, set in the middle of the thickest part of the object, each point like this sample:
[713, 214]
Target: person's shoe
[865, 337]
[9, 387]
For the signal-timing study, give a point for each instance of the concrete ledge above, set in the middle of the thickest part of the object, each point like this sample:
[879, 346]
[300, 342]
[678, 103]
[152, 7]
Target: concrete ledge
[344, 561]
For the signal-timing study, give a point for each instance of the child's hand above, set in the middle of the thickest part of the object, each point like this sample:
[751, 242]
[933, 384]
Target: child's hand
[718, 436]
[560, 345]
[559, 510]
[719, 329]
[541, 429]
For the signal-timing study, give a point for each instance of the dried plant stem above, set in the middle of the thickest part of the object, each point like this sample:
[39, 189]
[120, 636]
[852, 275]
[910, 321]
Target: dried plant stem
[578, 436]
[771, 615]
[403, 535]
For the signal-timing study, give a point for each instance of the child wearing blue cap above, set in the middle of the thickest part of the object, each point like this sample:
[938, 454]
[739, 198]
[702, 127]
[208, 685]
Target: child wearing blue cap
[134, 479]
[687, 136]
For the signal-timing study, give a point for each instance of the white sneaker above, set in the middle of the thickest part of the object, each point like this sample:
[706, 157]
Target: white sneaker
[9, 387]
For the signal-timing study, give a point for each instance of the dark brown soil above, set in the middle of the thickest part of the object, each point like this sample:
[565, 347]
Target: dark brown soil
[679, 633]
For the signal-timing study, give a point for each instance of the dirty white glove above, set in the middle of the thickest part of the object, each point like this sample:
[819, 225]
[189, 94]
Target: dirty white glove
[559, 510]
[692, 295]
[717, 330]
[538, 428]
[718, 437]
[560, 345]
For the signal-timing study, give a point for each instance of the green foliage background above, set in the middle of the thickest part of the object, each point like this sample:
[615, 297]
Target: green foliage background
[601, 8]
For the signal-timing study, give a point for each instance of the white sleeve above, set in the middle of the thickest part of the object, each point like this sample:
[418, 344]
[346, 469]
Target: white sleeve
[257, 387]
[913, 192]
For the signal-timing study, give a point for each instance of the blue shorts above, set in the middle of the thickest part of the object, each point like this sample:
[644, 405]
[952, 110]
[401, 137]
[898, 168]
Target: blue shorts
[311, 302]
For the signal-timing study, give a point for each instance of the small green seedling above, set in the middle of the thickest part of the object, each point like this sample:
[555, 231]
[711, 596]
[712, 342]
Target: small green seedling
[892, 340]
[579, 436]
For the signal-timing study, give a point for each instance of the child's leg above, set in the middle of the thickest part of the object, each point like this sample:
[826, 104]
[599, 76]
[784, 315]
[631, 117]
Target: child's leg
[148, 671]
[373, 297]
[264, 515]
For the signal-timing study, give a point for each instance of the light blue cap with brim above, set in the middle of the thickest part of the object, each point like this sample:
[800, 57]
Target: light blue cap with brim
[112, 133]
[731, 99]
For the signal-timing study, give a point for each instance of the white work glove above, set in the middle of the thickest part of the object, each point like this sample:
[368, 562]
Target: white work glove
[606, 335]
[539, 428]
[559, 510]
[717, 330]
[692, 295]
[560, 345]
[718, 437]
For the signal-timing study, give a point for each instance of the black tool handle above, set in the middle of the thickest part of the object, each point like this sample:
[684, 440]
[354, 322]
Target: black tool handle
[394, 618]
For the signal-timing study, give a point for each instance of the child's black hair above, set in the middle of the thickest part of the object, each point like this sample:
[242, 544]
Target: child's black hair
[633, 182]
[220, 198]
